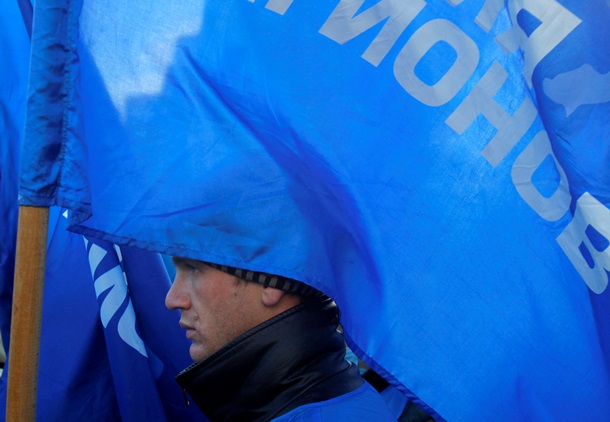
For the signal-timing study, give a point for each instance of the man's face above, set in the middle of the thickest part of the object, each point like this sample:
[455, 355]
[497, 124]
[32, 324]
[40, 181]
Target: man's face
[215, 306]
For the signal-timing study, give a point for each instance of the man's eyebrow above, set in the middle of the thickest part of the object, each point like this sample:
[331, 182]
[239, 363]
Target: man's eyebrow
[184, 261]
[177, 260]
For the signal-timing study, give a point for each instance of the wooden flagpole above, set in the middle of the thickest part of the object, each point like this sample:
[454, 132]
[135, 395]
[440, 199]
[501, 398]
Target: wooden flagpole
[26, 317]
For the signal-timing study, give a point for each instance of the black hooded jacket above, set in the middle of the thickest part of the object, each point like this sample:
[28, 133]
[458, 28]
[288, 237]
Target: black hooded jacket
[295, 358]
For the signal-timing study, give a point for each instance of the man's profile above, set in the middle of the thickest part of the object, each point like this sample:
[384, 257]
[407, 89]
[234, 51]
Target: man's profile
[265, 348]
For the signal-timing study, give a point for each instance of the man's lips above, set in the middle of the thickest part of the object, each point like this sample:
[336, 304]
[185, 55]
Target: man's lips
[189, 329]
[185, 326]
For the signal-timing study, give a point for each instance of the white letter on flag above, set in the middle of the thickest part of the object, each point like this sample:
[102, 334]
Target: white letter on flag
[342, 26]
[278, 6]
[524, 167]
[419, 44]
[113, 282]
[556, 23]
[589, 212]
[481, 101]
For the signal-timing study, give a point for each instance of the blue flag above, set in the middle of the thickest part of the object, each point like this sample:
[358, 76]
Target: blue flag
[14, 58]
[145, 347]
[74, 377]
[102, 357]
[440, 168]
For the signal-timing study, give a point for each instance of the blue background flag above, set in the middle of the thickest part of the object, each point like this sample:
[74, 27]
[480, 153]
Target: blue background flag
[14, 57]
[439, 168]
[102, 357]
[145, 347]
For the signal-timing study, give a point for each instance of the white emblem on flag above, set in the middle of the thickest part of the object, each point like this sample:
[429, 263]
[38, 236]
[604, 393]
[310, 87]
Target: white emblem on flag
[114, 283]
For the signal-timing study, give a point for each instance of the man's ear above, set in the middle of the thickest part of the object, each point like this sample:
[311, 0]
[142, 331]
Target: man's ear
[271, 296]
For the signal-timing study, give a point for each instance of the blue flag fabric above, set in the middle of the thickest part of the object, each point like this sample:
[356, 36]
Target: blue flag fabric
[14, 58]
[74, 377]
[122, 368]
[114, 370]
[86, 372]
[439, 168]
[145, 346]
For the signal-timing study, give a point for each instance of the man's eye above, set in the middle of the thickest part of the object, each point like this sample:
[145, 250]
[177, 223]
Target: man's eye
[185, 265]
[190, 267]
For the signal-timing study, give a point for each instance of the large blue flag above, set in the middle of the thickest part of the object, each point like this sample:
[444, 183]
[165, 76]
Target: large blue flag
[440, 168]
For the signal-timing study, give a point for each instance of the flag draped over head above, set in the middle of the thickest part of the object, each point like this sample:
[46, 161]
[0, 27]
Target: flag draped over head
[439, 168]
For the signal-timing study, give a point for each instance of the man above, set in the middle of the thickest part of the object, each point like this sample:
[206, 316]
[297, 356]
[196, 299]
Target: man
[266, 348]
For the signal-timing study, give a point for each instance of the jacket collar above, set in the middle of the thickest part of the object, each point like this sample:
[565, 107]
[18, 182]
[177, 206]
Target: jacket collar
[292, 359]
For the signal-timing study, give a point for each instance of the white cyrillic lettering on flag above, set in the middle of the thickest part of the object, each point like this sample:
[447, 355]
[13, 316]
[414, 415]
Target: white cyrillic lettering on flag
[127, 330]
[342, 25]
[114, 283]
[481, 102]
[589, 213]
[556, 23]
[278, 6]
[489, 14]
[550, 208]
[96, 254]
[454, 79]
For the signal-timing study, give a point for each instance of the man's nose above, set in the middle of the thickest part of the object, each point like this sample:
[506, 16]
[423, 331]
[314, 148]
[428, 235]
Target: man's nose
[176, 298]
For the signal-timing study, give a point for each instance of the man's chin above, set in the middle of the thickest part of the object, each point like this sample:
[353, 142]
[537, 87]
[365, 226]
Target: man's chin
[199, 353]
